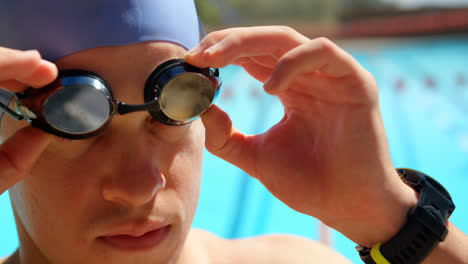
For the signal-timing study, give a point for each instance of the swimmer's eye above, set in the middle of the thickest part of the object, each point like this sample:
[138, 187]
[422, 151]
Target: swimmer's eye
[167, 133]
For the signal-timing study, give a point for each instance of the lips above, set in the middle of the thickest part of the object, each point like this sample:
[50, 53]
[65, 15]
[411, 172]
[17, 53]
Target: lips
[136, 239]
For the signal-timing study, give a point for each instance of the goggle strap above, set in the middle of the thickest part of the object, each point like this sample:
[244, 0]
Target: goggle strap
[10, 112]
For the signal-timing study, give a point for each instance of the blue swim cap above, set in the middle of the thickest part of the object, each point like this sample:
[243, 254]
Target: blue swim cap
[60, 27]
[57, 28]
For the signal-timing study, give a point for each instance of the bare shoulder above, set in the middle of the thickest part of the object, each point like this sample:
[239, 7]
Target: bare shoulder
[10, 259]
[3, 260]
[204, 247]
[288, 249]
[270, 249]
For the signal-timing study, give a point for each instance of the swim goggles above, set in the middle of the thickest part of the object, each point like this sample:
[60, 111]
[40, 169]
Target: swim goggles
[79, 104]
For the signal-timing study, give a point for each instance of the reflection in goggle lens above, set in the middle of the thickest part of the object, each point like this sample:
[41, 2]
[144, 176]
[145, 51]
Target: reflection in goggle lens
[187, 96]
[77, 109]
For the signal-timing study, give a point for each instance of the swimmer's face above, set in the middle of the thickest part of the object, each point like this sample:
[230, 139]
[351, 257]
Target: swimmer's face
[85, 199]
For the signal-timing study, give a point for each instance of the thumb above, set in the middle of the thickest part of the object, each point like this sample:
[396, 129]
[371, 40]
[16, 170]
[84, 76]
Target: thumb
[228, 143]
[19, 153]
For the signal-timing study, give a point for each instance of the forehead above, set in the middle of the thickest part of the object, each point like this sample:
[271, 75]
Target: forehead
[139, 58]
[124, 68]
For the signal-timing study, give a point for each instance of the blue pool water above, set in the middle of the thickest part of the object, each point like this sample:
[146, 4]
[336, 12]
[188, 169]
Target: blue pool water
[424, 99]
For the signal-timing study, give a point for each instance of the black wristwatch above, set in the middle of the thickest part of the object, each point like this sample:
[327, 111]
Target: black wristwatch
[424, 229]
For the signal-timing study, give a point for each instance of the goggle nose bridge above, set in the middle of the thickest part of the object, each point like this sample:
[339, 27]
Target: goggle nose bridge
[122, 108]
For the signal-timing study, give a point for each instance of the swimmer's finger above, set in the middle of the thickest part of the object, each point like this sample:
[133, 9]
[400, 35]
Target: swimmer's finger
[19, 153]
[13, 85]
[259, 72]
[265, 61]
[226, 142]
[318, 55]
[44, 74]
[26, 67]
[194, 55]
[244, 42]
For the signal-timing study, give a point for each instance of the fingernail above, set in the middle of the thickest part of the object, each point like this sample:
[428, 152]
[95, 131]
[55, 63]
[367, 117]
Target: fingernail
[213, 49]
[31, 52]
[209, 51]
[193, 51]
[49, 64]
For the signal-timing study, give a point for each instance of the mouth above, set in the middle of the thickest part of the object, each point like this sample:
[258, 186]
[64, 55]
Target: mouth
[136, 240]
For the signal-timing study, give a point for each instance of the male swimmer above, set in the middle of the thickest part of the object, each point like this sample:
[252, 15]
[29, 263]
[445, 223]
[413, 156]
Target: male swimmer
[119, 182]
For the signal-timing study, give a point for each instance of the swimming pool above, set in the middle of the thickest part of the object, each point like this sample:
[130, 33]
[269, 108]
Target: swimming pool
[424, 99]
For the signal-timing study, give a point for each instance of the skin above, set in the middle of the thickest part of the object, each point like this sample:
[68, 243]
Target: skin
[150, 181]
[328, 157]
[331, 111]
[109, 181]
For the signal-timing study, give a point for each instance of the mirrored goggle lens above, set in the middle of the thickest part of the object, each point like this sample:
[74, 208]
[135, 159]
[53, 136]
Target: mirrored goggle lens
[77, 109]
[187, 96]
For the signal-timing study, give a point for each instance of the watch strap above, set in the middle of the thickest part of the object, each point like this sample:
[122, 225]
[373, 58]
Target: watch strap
[425, 226]
[377, 255]
[414, 242]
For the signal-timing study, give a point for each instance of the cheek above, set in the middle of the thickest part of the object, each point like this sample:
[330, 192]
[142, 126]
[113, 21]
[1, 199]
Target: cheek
[188, 179]
[186, 170]
[58, 201]
[51, 201]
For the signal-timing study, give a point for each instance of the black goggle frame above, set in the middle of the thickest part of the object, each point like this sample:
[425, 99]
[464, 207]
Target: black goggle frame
[30, 103]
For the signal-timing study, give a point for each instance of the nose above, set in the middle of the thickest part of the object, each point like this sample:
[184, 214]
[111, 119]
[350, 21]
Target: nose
[134, 184]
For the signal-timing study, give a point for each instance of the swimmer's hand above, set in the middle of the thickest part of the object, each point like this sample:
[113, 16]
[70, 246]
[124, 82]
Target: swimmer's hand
[19, 152]
[328, 157]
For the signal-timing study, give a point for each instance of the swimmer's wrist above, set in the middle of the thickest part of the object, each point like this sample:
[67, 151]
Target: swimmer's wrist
[387, 213]
[425, 227]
